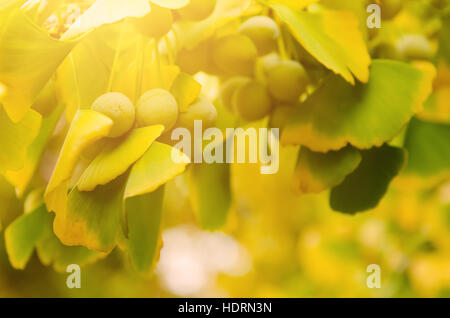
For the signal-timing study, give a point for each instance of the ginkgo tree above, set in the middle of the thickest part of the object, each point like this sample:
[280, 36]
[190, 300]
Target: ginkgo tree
[102, 84]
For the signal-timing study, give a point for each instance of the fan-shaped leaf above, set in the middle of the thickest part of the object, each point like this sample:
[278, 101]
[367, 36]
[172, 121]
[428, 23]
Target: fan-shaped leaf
[15, 138]
[117, 156]
[144, 236]
[317, 172]
[365, 187]
[364, 116]
[320, 33]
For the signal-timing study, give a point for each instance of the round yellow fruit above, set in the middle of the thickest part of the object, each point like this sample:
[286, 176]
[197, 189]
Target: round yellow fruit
[155, 24]
[235, 55]
[119, 108]
[202, 109]
[287, 81]
[157, 107]
[252, 101]
[263, 31]
[229, 88]
[197, 10]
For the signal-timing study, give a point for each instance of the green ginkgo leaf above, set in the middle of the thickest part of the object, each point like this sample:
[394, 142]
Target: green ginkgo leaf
[365, 187]
[185, 89]
[15, 138]
[210, 194]
[21, 178]
[365, 115]
[92, 219]
[22, 235]
[117, 156]
[154, 169]
[320, 33]
[87, 127]
[28, 58]
[144, 235]
[428, 148]
[316, 172]
[105, 12]
[52, 252]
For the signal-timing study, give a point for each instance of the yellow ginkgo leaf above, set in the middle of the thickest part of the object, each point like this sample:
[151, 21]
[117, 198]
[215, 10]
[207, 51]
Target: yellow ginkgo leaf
[294, 4]
[225, 11]
[104, 12]
[76, 88]
[154, 169]
[320, 33]
[21, 178]
[87, 127]
[16, 137]
[118, 156]
[171, 4]
[28, 58]
[185, 89]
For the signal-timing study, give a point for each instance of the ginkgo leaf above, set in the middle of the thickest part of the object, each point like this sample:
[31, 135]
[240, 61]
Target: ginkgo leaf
[171, 4]
[320, 33]
[293, 4]
[21, 178]
[365, 187]
[92, 218]
[428, 148]
[316, 172]
[28, 58]
[117, 156]
[76, 88]
[87, 127]
[22, 235]
[364, 115]
[154, 169]
[225, 11]
[104, 12]
[144, 236]
[210, 194]
[15, 138]
[52, 252]
[185, 89]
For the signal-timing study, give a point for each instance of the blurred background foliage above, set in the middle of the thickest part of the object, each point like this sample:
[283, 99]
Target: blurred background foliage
[275, 242]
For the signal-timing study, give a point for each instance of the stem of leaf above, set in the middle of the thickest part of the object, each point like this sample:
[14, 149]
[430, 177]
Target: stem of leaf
[116, 57]
[158, 65]
[169, 50]
[140, 66]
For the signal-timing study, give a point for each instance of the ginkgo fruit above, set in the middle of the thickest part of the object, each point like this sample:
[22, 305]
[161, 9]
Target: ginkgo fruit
[235, 54]
[119, 108]
[202, 109]
[263, 31]
[47, 99]
[157, 107]
[390, 8]
[414, 46]
[229, 88]
[197, 10]
[287, 81]
[156, 23]
[252, 101]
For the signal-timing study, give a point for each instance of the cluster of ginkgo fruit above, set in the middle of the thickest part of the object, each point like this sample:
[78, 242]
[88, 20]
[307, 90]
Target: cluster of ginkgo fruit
[158, 106]
[238, 57]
